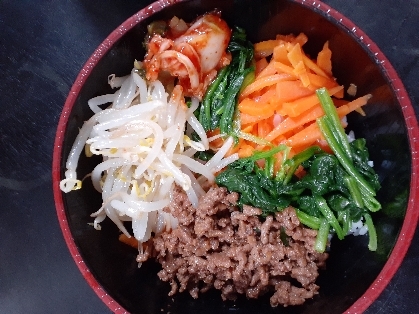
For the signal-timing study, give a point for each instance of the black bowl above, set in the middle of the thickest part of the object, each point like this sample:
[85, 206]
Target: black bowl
[354, 276]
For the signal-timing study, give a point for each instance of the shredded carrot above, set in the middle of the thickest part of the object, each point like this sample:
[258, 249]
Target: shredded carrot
[314, 67]
[304, 138]
[251, 107]
[245, 150]
[301, 105]
[355, 105]
[295, 56]
[247, 118]
[260, 65]
[264, 127]
[289, 124]
[301, 39]
[283, 68]
[264, 82]
[291, 90]
[324, 59]
[265, 48]
[267, 95]
[268, 70]
[280, 54]
[129, 241]
[321, 81]
[280, 105]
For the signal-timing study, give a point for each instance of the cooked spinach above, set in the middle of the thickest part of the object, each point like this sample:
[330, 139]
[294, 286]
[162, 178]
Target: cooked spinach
[218, 108]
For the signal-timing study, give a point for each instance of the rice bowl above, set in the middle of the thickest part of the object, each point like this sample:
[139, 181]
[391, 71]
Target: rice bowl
[89, 76]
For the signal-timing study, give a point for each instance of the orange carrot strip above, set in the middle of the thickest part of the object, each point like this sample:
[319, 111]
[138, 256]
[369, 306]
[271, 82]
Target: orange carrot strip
[217, 143]
[289, 124]
[301, 39]
[291, 90]
[306, 137]
[234, 148]
[321, 81]
[339, 94]
[249, 119]
[312, 133]
[301, 71]
[248, 128]
[251, 107]
[354, 105]
[260, 65]
[264, 127]
[265, 48]
[260, 83]
[301, 105]
[129, 241]
[269, 70]
[324, 59]
[245, 150]
[268, 94]
[314, 67]
[359, 102]
[283, 68]
[280, 54]
[296, 57]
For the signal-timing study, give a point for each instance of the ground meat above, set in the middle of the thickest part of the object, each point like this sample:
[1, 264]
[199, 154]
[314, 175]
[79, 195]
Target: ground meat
[216, 245]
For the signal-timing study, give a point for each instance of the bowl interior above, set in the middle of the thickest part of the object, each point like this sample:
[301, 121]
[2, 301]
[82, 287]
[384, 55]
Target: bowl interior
[351, 268]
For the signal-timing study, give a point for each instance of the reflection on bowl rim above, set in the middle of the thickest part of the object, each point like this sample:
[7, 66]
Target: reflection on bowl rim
[412, 215]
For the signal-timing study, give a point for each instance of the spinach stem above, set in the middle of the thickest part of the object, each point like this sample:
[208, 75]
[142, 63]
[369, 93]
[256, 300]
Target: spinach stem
[209, 95]
[346, 163]
[307, 220]
[266, 154]
[331, 113]
[322, 234]
[372, 233]
[293, 163]
[354, 191]
[328, 214]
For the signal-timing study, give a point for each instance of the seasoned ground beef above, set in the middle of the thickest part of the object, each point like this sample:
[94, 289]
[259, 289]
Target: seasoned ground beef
[219, 246]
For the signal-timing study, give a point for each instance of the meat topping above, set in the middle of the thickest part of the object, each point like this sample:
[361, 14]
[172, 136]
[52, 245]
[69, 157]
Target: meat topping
[219, 246]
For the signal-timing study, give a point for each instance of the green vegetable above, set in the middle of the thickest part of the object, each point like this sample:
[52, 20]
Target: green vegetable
[292, 164]
[219, 105]
[322, 234]
[328, 214]
[372, 244]
[212, 98]
[361, 181]
[310, 221]
[255, 185]
[354, 190]
[229, 103]
[332, 117]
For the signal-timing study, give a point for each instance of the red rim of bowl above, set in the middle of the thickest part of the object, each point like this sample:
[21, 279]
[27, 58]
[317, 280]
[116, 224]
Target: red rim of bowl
[412, 215]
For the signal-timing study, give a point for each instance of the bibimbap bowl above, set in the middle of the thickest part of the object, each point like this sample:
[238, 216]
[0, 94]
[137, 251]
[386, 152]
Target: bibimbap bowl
[354, 276]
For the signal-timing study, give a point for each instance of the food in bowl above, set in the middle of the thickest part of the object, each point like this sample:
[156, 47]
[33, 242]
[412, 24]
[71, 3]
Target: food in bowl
[200, 129]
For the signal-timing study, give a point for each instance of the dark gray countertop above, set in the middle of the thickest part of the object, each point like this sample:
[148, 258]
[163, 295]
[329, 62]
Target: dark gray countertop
[43, 45]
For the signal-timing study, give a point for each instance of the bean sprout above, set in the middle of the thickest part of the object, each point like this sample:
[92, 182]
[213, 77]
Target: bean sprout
[146, 152]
